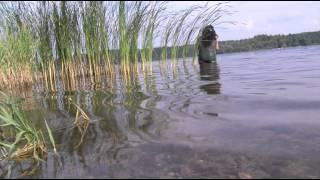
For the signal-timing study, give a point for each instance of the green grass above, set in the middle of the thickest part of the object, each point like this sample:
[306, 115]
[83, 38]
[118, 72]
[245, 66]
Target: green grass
[20, 139]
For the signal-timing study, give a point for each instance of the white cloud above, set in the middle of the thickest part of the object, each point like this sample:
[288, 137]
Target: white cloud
[316, 22]
[249, 24]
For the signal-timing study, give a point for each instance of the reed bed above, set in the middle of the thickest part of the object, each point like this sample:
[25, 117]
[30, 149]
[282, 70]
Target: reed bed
[52, 40]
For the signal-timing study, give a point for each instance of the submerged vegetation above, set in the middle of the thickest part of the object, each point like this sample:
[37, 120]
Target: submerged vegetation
[79, 42]
[20, 140]
[81, 121]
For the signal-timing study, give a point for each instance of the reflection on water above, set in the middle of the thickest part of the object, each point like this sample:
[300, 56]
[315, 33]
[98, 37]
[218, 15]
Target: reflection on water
[210, 72]
[249, 115]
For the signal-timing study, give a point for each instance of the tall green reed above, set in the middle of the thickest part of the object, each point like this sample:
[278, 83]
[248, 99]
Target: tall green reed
[86, 39]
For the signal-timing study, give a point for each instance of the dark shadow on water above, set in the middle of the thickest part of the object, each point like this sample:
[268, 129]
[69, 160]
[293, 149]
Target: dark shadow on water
[210, 72]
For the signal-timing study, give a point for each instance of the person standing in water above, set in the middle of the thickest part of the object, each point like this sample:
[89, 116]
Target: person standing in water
[209, 70]
[207, 45]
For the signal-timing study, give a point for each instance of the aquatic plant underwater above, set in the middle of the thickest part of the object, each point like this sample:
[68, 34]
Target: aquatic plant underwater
[20, 140]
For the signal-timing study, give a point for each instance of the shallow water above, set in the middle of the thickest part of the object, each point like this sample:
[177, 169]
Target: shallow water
[250, 115]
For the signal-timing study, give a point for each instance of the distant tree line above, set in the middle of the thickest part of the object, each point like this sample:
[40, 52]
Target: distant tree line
[257, 42]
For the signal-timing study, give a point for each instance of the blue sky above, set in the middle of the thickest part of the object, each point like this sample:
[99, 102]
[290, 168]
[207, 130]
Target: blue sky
[265, 17]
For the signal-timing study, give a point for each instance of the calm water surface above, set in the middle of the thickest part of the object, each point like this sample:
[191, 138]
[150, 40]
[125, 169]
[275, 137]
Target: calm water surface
[250, 115]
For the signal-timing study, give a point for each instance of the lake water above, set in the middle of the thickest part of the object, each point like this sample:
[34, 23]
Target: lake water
[250, 115]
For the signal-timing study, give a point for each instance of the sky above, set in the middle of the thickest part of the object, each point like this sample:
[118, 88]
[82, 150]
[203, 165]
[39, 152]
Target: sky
[265, 17]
